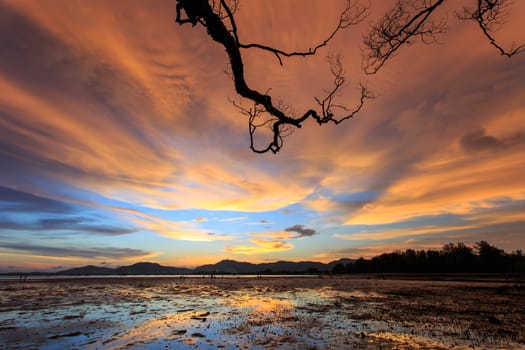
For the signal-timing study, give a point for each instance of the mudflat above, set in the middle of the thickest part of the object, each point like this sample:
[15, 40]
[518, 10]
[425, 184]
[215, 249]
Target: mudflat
[359, 312]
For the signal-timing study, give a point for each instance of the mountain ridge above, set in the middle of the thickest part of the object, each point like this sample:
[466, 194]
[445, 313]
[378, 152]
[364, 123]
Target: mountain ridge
[226, 266]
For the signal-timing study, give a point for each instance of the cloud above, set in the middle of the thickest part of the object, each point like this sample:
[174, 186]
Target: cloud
[274, 235]
[301, 231]
[76, 225]
[48, 214]
[260, 246]
[178, 230]
[391, 234]
[237, 218]
[271, 242]
[70, 252]
[130, 98]
[478, 140]
[260, 222]
[12, 200]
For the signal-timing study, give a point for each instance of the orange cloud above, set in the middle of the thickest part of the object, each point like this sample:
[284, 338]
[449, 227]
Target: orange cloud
[117, 137]
[459, 187]
[388, 234]
[260, 246]
[178, 230]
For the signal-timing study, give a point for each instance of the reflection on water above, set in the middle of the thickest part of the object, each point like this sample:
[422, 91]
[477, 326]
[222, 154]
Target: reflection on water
[228, 314]
[260, 305]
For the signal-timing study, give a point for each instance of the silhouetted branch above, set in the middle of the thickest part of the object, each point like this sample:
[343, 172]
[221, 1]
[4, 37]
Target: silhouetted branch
[408, 20]
[413, 19]
[328, 105]
[352, 14]
[281, 122]
[490, 16]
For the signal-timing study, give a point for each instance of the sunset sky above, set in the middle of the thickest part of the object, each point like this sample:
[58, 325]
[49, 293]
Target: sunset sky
[119, 142]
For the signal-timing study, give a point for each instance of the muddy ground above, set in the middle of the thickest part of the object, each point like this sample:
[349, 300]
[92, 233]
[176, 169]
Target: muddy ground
[261, 313]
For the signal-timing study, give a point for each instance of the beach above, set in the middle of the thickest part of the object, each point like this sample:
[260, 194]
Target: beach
[360, 312]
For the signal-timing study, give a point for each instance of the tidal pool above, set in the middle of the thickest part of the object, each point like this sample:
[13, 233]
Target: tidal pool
[260, 313]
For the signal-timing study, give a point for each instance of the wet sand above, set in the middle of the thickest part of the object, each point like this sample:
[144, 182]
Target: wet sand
[261, 313]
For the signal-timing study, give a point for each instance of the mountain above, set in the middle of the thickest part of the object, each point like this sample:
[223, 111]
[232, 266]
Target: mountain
[290, 267]
[142, 268]
[228, 266]
[148, 268]
[87, 270]
[222, 267]
[238, 267]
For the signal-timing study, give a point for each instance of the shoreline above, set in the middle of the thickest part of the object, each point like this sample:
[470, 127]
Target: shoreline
[458, 277]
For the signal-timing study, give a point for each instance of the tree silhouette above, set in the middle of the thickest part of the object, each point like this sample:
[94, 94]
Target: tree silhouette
[402, 25]
[452, 258]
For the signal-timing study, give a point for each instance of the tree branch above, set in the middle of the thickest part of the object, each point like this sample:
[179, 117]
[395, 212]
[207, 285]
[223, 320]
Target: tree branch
[409, 19]
[280, 123]
[490, 16]
[352, 14]
[412, 19]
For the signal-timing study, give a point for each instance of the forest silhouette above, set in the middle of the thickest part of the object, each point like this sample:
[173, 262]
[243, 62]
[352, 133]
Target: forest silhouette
[482, 257]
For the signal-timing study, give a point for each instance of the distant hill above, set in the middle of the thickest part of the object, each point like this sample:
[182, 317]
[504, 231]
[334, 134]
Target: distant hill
[228, 266]
[148, 268]
[237, 267]
[87, 270]
[142, 268]
[222, 267]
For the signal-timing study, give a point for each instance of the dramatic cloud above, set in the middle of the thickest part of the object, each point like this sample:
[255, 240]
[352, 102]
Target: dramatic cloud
[116, 126]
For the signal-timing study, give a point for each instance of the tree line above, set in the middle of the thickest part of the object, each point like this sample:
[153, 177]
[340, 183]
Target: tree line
[482, 257]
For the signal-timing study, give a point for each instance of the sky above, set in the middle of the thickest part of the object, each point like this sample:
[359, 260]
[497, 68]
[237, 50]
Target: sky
[119, 142]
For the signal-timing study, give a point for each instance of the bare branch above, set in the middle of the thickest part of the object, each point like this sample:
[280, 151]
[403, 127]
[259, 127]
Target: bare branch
[328, 105]
[413, 19]
[353, 14]
[490, 16]
[280, 117]
[408, 20]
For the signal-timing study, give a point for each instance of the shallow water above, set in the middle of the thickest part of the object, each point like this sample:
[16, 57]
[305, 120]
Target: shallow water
[293, 313]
